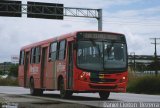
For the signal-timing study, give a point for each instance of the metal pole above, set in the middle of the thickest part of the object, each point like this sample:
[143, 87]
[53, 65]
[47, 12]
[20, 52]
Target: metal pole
[156, 71]
[134, 60]
[155, 54]
[99, 19]
[4, 68]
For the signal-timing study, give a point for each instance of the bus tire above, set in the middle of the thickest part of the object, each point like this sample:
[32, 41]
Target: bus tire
[64, 93]
[104, 95]
[33, 91]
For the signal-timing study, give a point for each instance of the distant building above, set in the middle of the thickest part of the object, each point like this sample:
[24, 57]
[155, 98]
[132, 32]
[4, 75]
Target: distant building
[15, 59]
[145, 59]
[141, 62]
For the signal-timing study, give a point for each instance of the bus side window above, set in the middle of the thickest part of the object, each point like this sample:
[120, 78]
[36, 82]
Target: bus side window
[62, 46]
[21, 59]
[38, 54]
[53, 51]
[35, 55]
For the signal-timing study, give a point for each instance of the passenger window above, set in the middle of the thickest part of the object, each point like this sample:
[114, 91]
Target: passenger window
[38, 54]
[35, 55]
[33, 51]
[53, 51]
[21, 59]
[62, 50]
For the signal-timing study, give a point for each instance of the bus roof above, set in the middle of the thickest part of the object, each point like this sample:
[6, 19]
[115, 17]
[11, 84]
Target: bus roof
[61, 37]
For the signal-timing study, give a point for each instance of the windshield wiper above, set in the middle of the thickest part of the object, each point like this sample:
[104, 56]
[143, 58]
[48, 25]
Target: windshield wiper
[96, 46]
[109, 48]
[99, 52]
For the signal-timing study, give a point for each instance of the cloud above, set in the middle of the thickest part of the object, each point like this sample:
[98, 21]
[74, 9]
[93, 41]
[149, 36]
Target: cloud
[139, 25]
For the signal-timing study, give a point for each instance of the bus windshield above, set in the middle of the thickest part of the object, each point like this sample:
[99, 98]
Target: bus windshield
[101, 55]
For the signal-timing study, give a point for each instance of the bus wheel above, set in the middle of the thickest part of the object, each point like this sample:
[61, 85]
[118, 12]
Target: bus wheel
[64, 93]
[104, 95]
[33, 91]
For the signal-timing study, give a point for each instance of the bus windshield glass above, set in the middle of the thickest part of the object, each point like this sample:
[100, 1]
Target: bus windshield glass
[103, 55]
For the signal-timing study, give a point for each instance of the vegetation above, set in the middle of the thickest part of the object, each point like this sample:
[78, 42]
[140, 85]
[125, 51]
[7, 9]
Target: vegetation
[8, 82]
[1, 72]
[144, 84]
[11, 80]
[13, 71]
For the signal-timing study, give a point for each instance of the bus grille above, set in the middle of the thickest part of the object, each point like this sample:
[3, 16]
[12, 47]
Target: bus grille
[96, 80]
[103, 87]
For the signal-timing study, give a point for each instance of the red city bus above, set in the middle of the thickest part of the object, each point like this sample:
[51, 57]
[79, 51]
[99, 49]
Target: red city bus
[79, 62]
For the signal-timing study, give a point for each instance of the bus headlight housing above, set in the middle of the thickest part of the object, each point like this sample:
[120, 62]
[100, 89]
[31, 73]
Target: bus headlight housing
[85, 76]
[123, 79]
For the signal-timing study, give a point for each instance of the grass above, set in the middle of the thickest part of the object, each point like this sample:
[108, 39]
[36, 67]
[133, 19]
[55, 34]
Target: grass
[8, 82]
[148, 84]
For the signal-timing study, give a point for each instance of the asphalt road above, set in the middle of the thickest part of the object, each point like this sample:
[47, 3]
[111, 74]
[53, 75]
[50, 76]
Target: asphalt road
[91, 99]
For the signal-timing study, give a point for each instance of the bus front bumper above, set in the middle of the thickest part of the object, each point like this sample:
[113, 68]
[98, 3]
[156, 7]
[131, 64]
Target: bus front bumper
[112, 87]
[119, 87]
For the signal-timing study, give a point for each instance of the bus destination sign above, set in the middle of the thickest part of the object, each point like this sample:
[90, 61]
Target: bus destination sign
[97, 35]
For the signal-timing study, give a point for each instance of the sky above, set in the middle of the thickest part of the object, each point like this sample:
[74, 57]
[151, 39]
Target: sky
[139, 20]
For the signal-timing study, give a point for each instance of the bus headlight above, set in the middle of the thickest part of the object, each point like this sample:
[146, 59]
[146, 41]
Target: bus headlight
[85, 76]
[123, 79]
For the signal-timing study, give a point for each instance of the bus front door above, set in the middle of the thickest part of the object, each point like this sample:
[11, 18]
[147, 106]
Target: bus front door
[70, 66]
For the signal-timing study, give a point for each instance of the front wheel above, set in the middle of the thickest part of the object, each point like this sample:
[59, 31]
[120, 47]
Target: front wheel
[104, 95]
[64, 93]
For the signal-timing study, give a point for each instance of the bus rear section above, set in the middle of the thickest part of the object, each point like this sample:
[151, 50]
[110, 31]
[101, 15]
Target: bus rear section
[81, 62]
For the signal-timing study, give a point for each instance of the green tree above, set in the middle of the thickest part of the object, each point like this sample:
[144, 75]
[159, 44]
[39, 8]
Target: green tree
[1, 72]
[13, 71]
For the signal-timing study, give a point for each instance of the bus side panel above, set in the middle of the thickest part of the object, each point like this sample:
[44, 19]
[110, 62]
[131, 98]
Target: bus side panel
[35, 70]
[21, 75]
[49, 76]
[61, 70]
